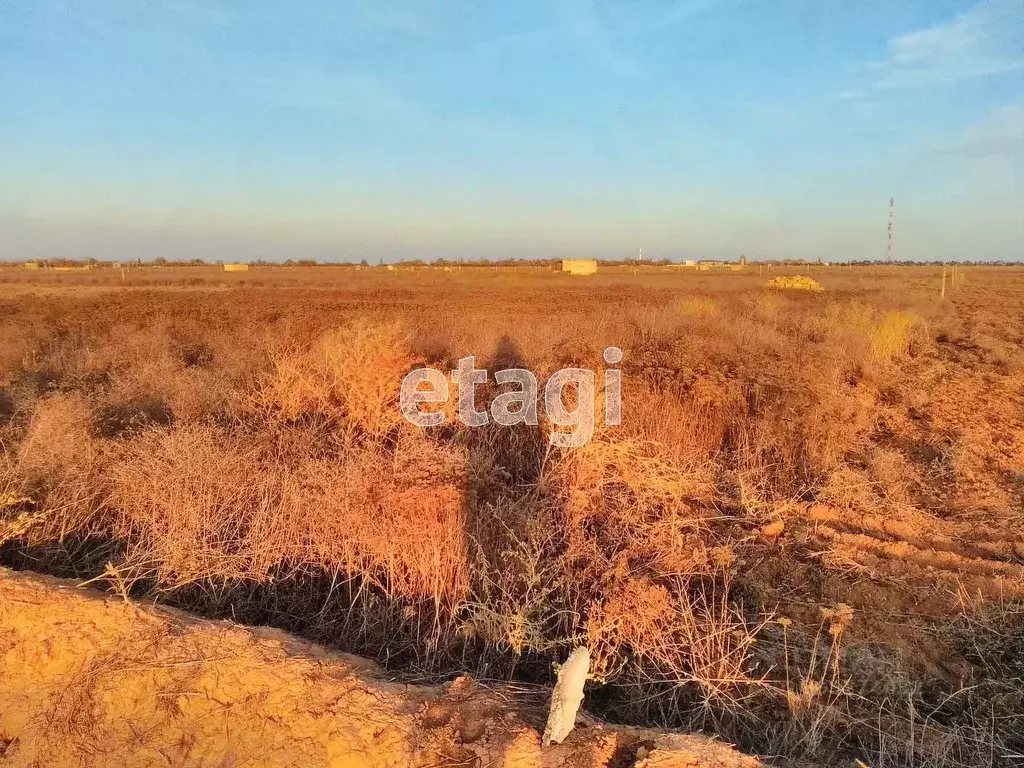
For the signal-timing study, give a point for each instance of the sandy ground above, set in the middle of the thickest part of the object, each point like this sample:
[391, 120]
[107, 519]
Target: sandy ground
[89, 680]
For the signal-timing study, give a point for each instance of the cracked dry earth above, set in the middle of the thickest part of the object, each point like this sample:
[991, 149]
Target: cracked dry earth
[92, 680]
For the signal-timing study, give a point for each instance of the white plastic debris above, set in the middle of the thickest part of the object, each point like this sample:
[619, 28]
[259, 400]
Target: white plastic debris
[567, 696]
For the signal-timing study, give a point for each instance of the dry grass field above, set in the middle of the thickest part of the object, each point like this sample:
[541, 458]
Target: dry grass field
[806, 537]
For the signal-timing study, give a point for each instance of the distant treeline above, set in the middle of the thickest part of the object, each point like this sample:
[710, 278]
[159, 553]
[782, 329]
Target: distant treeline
[548, 263]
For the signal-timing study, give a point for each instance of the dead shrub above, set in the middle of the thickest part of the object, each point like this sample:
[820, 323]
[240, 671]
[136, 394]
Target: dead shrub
[519, 594]
[7, 408]
[196, 354]
[779, 457]
[396, 521]
[698, 306]
[689, 428]
[627, 491]
[16, 519]
[687, 638]
[891, 336]
[365, 365]
[60, 465]
[197, 503]
[629, 532]
[353, 374]
[124, 419]
[62, 362]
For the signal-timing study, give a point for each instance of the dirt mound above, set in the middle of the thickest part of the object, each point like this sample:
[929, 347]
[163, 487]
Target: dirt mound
[797, 282]
[93, 681]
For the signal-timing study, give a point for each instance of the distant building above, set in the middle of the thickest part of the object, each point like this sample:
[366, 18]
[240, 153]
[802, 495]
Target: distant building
[31, 265]
[579, 266]
[235, 267]
[705, 264]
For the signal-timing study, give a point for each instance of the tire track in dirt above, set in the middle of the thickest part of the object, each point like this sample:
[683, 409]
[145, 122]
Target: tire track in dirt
[920, 551]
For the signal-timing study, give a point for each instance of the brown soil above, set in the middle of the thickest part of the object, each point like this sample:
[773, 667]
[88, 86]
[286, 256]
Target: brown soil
[925, 554]
[87, 680]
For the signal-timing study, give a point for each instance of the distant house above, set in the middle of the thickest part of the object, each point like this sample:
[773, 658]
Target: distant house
[579, 266]
[235, 267]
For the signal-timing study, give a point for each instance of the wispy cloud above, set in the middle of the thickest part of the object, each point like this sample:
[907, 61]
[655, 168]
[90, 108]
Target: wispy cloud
[587, 23]
[854, 94]
[607, 35]
[987, 39]
[999, 133]
[343, 93]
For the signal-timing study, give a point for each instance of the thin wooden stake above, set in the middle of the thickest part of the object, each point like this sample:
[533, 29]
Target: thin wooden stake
[943, 294]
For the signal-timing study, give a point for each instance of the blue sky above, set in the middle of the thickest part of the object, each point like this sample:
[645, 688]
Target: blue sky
[344, 130]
